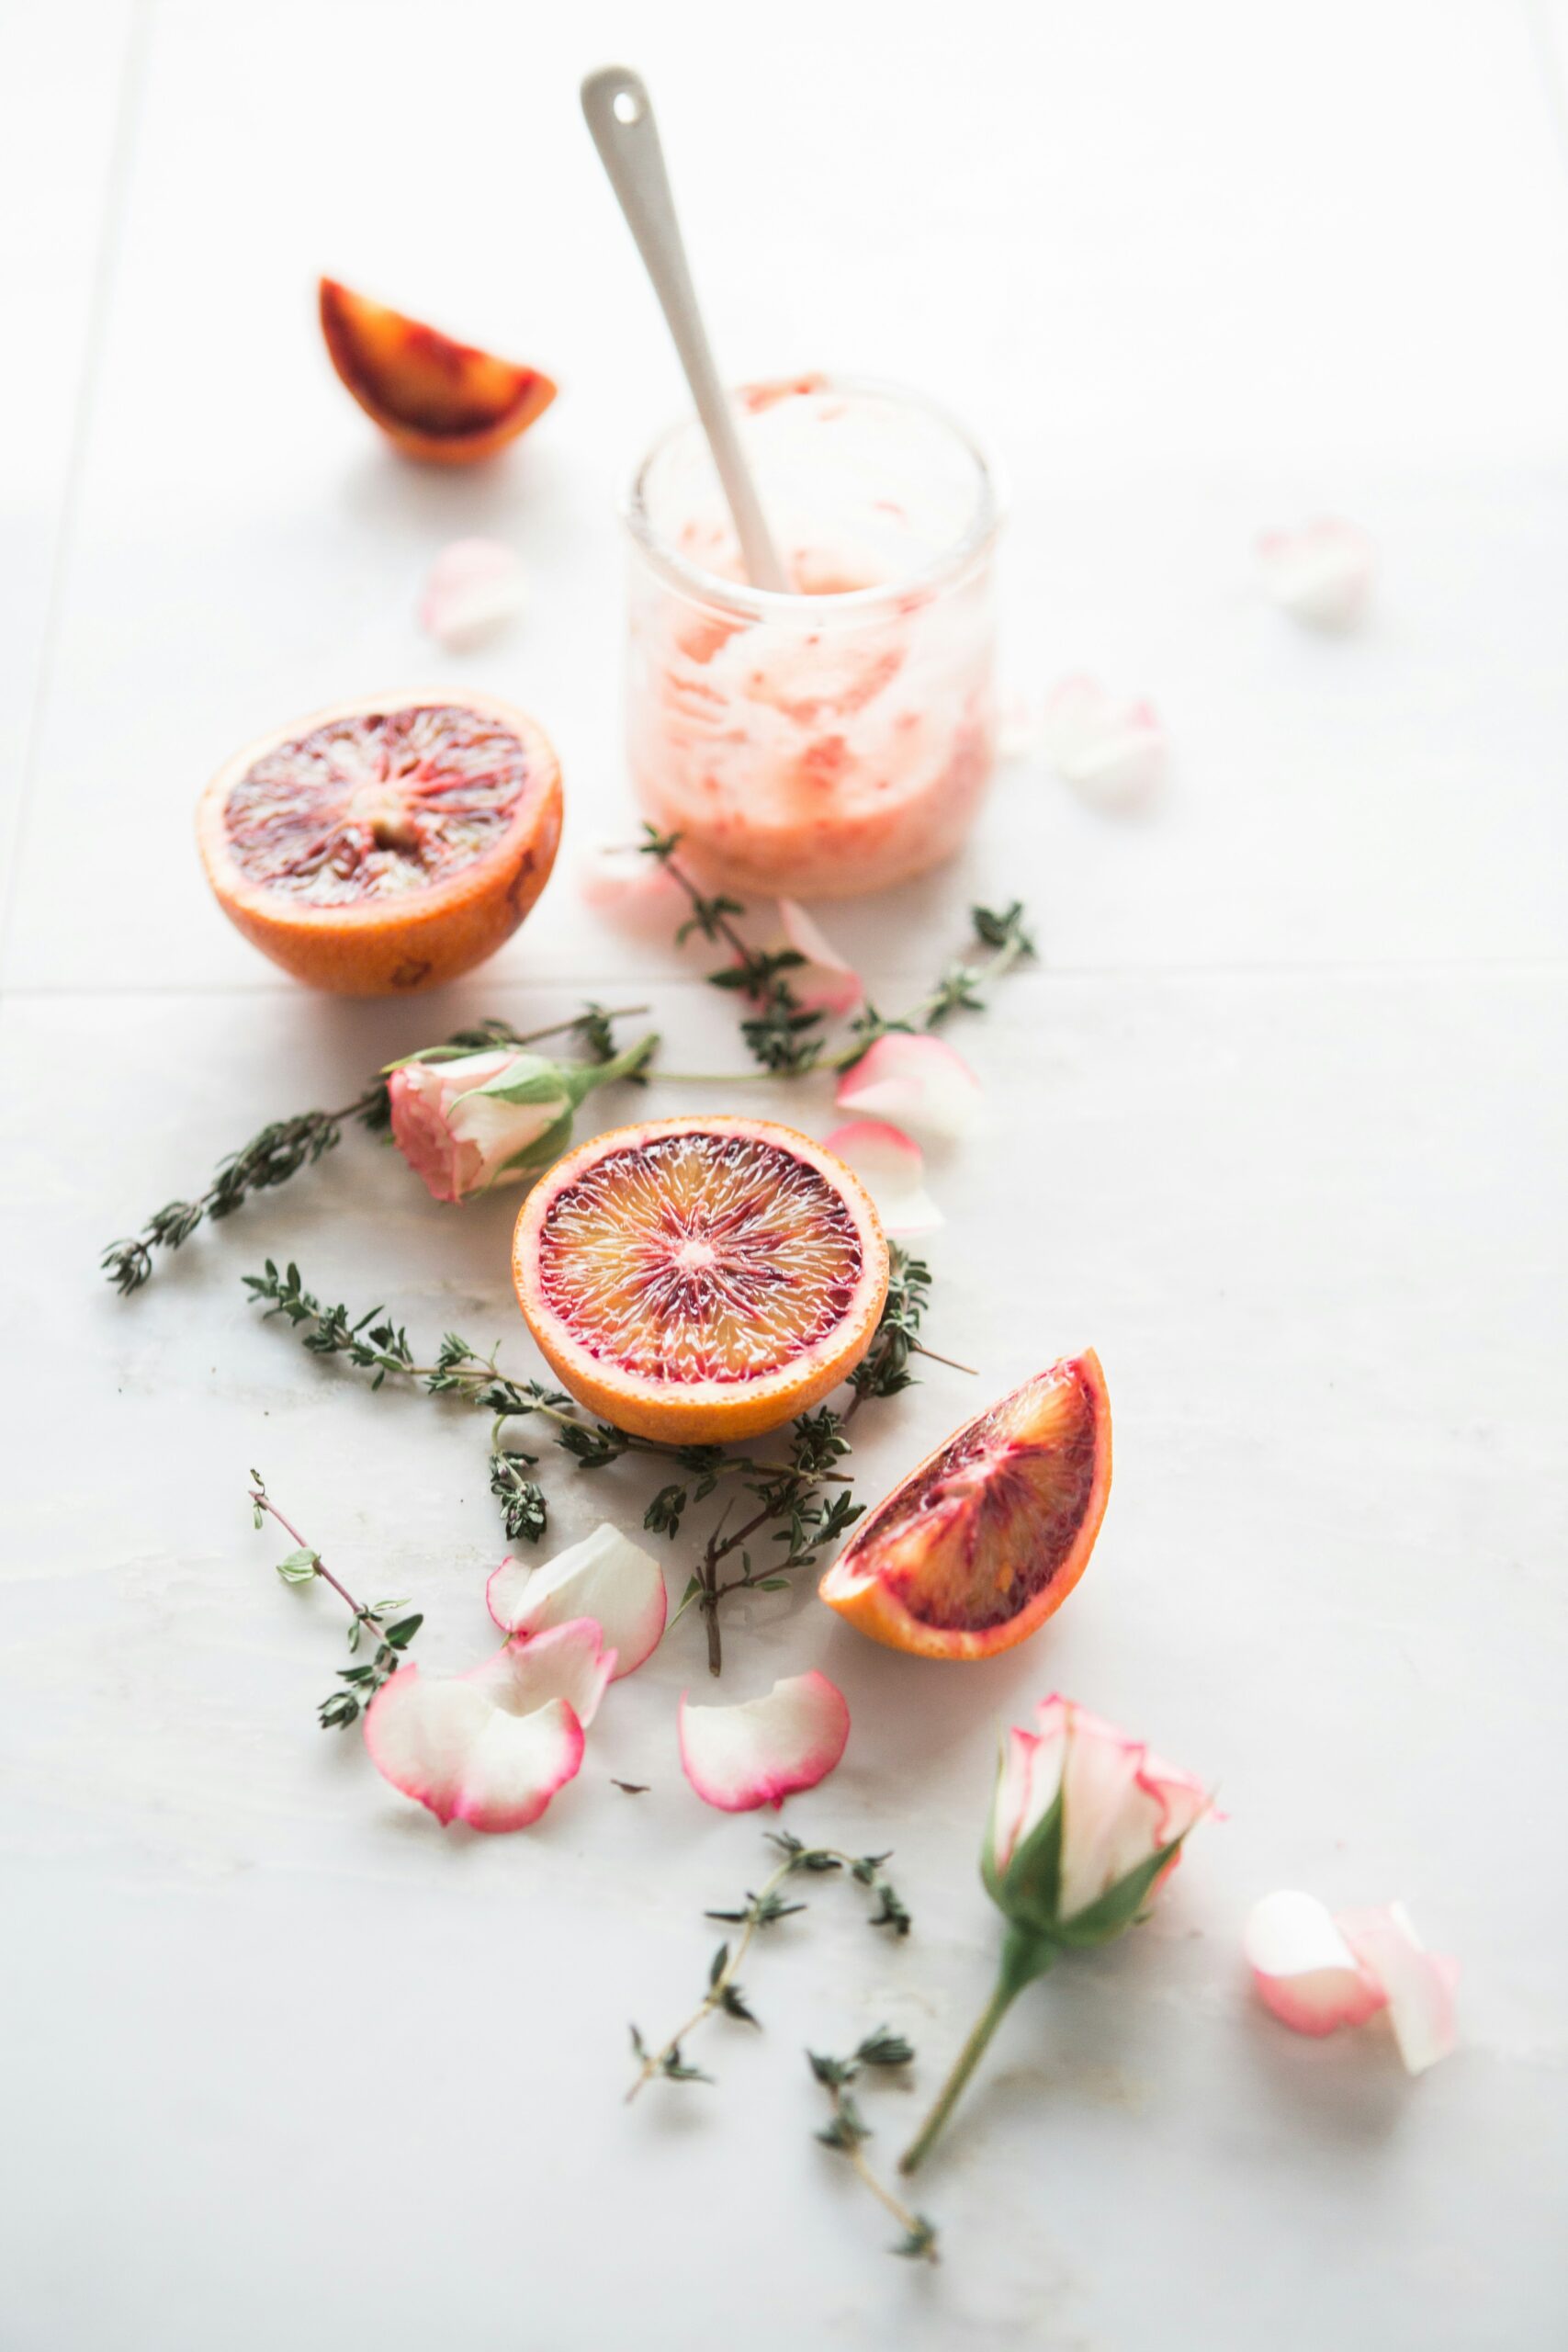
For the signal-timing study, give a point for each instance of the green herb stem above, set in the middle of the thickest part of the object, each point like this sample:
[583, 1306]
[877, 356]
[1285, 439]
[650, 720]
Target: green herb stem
[263, 1502]
[363, 1679]
[848, 2132]
[654, 2063]
[919, 2238]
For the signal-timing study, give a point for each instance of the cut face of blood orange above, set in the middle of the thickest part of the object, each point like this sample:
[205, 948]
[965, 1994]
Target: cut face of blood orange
[700, 1279]
[385, 845]
[986, 1540]
[435, 399]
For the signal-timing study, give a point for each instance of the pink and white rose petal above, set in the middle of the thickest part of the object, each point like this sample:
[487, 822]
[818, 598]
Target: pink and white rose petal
[1419, 1984]
[491, 1748]
[912, 1081]
[1316, 1971]
[473, 588]
[606, 1578]
[892, 1167]
[1321, 573]
[764, 1749]
[1110, 748]
[824, 982]
[1302, 1969]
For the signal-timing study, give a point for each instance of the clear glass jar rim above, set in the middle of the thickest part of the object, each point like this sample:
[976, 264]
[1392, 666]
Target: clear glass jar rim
[736, 595]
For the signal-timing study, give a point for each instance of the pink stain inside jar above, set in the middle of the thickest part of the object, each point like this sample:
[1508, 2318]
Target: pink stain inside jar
[838, 738]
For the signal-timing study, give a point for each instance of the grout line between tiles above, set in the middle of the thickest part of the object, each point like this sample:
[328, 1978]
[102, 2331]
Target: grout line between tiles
[133, 73]
[575, 983]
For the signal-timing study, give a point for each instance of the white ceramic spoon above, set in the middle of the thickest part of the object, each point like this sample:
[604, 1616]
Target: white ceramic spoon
[620, 117]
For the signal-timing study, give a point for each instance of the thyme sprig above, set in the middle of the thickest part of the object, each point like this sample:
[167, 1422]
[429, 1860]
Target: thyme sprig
[761, 1909]
[788, 1493]
[286, 1146]
[372, 1342]
[392, 1633]
[810, 1520]
[884, 1370]
[781, 1035]
[848, 2131]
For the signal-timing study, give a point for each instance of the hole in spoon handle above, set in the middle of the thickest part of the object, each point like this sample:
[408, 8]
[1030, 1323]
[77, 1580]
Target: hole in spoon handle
[619, 115]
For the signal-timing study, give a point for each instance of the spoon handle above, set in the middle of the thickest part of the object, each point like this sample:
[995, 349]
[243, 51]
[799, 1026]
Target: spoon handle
[620, 117]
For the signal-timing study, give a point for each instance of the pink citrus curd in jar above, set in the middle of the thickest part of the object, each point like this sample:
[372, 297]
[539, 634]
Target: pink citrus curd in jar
[838, 739]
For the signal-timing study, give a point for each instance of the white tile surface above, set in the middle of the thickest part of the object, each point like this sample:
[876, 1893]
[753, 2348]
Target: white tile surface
[67, 83]
[1281, 1132]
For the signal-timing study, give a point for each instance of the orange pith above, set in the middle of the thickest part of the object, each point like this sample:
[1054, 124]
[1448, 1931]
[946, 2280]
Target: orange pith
[385, 845]
[987, 1538]
[700, 1279]
[436, 398]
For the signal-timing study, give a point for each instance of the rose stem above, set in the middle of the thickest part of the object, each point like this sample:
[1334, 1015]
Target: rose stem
[1024, 1957]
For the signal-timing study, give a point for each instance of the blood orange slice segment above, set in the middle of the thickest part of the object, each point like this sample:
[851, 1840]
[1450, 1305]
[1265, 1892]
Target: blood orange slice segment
[439, 400]
[385, 845]
[986, 1540]
[700, 1279]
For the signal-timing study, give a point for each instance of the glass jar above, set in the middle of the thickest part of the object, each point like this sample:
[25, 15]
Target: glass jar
[839, 738]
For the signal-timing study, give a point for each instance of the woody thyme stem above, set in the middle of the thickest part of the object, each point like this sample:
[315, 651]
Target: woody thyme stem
[263, 1502]
[714, 1997]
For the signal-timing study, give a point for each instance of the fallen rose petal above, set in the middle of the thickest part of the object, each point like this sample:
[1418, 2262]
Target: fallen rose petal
[1302, 1968]
[764, 1749]
[605, 1577]
[1418, 1984]
[1112, 752]
[616, 879]
[915, 1082]
[491, 1746]
[892, 1169]
[470, 589]
[1321, 574]
[824, 983]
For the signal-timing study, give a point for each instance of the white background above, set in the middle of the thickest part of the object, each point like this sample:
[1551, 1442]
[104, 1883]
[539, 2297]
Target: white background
[1278, 1124]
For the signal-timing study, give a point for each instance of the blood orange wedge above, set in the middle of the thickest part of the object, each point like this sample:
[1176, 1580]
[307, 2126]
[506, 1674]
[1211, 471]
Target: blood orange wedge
[435, 399]
[986, 1540]
[700, 1279]
[385, 845]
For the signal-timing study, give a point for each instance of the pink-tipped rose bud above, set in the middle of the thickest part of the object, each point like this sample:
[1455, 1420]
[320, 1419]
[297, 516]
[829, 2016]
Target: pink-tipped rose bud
[464, 1122]
[1085, 1823]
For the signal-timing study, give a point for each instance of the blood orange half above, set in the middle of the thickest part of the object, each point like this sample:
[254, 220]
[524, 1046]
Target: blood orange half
[700, 1279]
[385, 845]
[435, 399]
[986, 1540]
